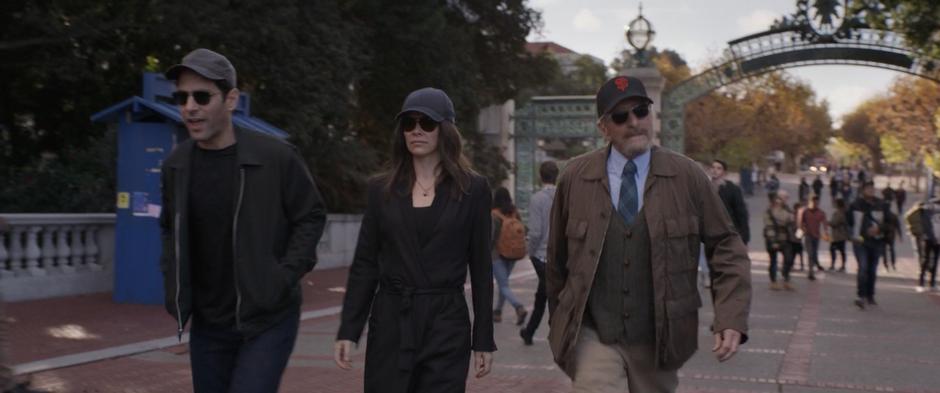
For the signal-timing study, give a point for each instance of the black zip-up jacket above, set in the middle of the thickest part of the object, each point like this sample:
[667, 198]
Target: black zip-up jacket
[279, 218]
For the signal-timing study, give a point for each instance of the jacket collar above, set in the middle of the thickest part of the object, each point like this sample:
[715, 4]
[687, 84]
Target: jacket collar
[661, 164]
[248, 151]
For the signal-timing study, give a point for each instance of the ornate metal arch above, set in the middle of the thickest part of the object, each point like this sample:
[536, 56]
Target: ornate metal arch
[548, 117]
[817, 34]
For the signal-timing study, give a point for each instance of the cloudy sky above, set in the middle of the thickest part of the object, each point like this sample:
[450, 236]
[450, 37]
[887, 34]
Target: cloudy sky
[699, 30]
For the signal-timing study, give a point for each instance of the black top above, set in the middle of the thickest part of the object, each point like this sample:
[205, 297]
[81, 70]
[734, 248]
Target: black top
[389, 257]
[212, 207]
[425, 217]
[731, 196]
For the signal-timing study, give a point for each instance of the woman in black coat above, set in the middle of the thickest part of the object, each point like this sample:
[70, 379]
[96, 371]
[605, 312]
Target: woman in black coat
[427, 220]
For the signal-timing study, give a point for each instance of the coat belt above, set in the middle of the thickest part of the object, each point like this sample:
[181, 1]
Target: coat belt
[408, 330]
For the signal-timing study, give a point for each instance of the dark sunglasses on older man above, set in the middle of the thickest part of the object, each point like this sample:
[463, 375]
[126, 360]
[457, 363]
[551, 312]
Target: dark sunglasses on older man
[640, 111]
[409, 124]
[202, 97]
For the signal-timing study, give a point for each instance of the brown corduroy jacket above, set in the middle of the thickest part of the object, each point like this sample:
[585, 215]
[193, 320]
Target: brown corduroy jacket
[682, 210]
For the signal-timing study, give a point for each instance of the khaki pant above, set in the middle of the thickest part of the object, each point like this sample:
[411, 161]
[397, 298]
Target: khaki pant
[618, 368]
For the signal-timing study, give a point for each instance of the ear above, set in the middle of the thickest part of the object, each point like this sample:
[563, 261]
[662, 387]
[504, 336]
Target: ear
[231, 99]
[602, 128]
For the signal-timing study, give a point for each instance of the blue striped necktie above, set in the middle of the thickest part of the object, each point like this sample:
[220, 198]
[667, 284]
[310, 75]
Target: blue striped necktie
[629, 200]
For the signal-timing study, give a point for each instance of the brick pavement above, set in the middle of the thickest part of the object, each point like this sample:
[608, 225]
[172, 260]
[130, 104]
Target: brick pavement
[811, 340]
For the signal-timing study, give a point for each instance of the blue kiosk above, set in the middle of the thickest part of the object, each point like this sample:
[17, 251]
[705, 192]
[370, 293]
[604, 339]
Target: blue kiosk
[148, 128]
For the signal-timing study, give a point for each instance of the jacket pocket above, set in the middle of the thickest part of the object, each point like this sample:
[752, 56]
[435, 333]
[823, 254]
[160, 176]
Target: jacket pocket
[682, 241]
[680, 340]
[576, 236]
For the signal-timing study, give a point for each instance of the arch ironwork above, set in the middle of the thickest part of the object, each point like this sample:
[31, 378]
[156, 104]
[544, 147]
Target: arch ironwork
[817, 34]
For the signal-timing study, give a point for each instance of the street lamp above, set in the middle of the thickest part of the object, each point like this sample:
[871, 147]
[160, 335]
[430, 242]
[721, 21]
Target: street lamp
[640, 32]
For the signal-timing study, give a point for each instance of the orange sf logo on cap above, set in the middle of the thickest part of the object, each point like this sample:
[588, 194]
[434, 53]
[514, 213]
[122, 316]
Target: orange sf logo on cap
[621, 83]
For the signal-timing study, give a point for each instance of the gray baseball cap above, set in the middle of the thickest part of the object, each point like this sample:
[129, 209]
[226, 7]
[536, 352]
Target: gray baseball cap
[208, 64]
[432, 102]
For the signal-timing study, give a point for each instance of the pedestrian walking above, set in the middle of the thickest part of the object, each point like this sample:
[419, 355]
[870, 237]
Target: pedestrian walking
[812, 222]
[892, 227]
[540, 209]
[509, 246]
[923, 223]
[839, 233]
[732, 199]
[427, 222]
[797, 241]
[779, 225]
[241, 220]
[868, 212]
[619, 320]
[773, 184]
[835, 185]
[804, 190]
[900, 196]
[817, 185]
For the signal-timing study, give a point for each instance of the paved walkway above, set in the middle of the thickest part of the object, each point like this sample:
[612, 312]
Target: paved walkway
[810, 340]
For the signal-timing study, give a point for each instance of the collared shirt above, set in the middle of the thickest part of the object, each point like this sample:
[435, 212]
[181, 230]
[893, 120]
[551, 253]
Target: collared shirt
[615, 163]
[540, 209]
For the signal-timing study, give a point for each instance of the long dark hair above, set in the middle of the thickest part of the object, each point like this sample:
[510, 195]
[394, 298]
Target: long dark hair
[503, 201]
[454, 165]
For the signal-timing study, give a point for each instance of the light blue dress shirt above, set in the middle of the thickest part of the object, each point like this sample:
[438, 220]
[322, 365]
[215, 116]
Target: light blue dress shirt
[615, 163]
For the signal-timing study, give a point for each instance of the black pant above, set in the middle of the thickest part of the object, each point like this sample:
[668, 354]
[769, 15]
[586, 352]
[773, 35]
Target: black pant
[889, 254]
[786, 251]
[224, 360]
[867, 256]
[539, 308]
[928, 261]
[812, 252]
[839, 247]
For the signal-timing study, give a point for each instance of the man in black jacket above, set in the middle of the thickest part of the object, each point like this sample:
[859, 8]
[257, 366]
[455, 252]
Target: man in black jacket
[866, 218]
[241, 221]
[731, 195]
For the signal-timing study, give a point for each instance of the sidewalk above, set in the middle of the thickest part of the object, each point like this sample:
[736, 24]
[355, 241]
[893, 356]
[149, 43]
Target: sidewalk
[810, 341]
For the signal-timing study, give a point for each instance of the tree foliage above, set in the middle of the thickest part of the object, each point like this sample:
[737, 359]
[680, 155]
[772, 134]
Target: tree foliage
[745, 122]
[332, 73]
[917, 20]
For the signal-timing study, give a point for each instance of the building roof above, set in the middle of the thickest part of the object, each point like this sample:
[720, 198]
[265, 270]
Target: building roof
[548, 46]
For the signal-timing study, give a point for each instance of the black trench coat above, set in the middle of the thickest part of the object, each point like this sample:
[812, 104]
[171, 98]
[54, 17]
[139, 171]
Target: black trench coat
[420, 335]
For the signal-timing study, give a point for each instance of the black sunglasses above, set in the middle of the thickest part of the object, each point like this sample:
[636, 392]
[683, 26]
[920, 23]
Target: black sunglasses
[640, 111]
[408, 123]
[202, 97]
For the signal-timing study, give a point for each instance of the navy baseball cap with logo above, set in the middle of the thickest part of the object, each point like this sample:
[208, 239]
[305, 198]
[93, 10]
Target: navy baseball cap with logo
[432, 102]
[618, 89]
[208, 64]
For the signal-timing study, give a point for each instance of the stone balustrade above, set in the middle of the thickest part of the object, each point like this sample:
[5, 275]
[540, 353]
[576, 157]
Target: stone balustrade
[48, 255]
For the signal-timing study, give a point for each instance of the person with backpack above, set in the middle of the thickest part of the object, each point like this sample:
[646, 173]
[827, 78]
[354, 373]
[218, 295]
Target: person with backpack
[923, 223]
[509, 246]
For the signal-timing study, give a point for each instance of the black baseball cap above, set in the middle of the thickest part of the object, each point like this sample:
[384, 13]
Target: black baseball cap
[618, 89]
[432, 102]
[208, 64]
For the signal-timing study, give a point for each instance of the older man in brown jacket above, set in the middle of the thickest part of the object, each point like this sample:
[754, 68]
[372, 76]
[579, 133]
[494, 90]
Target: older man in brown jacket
[626, 227]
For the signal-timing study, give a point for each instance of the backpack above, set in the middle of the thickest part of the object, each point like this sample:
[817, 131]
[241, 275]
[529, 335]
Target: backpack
[511, 242]
[914, 220]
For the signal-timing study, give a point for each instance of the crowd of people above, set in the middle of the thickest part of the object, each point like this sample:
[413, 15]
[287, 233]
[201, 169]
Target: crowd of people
[860, 217]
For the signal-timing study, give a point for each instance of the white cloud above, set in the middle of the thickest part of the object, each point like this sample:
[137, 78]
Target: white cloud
[756, 21]
[586, 21]
[542, 4]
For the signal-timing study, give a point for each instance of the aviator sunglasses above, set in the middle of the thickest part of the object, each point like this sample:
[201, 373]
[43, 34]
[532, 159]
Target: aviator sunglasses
[640, 111]
[201, 97]
[409, 124]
